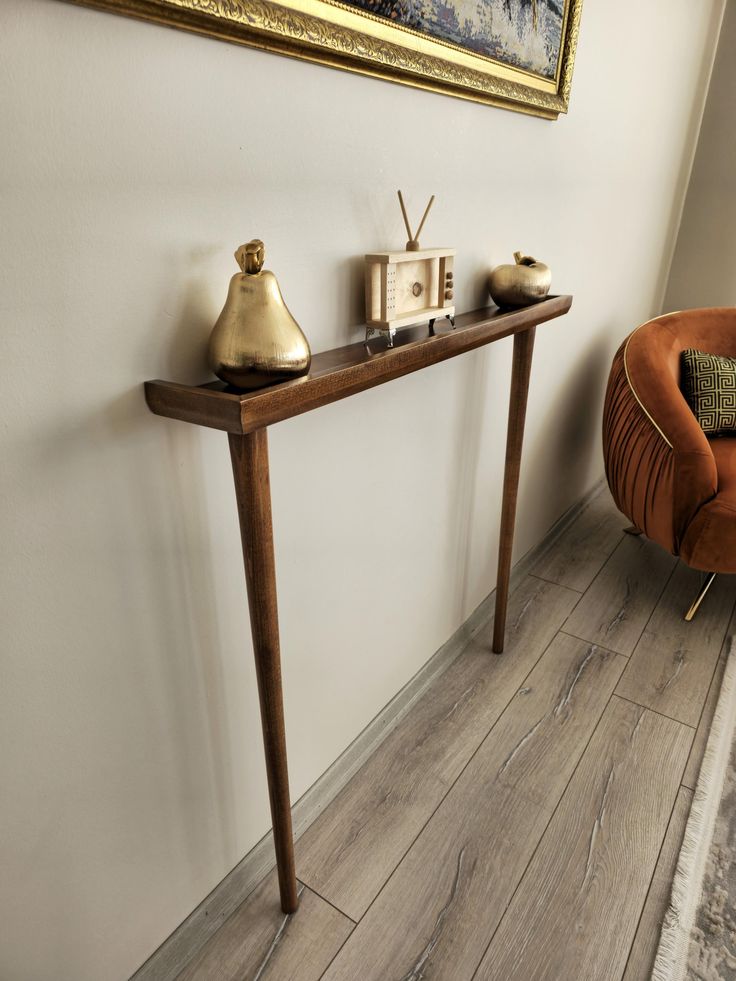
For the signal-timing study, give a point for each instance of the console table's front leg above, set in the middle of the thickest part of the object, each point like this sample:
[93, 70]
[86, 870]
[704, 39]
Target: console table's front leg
[249, 455]
[522, 365]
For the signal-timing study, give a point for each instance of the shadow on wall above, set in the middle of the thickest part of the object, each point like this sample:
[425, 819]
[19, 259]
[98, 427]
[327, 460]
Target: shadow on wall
[465, 466]
[161, 619]
[351, 296]
[558, 466]
[179, 350]
[182, 645]
[555, 469]
[187, 648]
[703, 244]
[186, 355]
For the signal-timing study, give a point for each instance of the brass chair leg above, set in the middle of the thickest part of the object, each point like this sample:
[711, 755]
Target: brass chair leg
[700, 597]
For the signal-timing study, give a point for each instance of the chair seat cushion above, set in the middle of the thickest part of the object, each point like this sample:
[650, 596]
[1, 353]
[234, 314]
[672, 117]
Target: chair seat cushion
[710, 540]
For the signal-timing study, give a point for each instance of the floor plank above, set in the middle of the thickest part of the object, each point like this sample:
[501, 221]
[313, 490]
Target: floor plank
[692, 770]
[470, 797]
[615, 610]
[593, 867]
[672, 666]
[646, 941]
[259, 943]
[354, 846]
[580, 553]
[438, 911]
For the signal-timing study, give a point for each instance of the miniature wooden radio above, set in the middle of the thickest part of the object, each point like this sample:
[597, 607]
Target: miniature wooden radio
[403, 288]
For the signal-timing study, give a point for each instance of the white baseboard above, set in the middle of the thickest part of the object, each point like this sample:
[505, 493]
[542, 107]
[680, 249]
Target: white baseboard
[175, 952]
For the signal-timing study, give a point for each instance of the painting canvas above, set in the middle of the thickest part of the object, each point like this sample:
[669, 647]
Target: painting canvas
[517, 54]
[524, 33]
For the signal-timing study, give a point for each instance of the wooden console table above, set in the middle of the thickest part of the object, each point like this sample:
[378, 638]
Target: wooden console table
[334, 375]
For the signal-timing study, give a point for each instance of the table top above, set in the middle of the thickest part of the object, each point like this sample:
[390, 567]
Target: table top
[345, 370]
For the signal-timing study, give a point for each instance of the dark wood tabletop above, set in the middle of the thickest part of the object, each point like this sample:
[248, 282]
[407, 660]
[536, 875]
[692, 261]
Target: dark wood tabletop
[344, 371]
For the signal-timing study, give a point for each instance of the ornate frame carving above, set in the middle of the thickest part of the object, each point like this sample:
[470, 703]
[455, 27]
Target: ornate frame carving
[331, 33]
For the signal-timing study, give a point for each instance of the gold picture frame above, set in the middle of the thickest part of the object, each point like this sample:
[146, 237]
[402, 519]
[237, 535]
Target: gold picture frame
[340, 35]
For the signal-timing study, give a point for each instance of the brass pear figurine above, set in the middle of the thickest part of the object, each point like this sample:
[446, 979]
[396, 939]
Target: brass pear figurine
[256, 341]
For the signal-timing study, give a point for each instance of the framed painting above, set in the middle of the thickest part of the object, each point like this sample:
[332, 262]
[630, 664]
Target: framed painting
[517, 54]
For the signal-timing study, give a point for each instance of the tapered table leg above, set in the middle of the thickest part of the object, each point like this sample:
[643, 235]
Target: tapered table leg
[249, 455]
[523, 348]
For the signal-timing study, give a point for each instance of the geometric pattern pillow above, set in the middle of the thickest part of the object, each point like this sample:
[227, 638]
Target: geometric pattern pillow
[709, 386]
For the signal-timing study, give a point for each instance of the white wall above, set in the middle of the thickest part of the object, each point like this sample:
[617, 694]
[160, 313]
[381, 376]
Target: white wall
[133, 162]
[704, 267]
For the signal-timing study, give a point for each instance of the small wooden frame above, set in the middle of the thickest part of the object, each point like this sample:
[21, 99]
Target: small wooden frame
[335, 375]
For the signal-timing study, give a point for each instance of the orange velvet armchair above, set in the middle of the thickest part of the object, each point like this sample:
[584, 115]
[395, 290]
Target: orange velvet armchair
[674, 484]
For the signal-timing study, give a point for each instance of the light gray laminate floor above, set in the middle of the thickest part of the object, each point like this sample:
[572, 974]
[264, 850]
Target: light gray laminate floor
[523, 820]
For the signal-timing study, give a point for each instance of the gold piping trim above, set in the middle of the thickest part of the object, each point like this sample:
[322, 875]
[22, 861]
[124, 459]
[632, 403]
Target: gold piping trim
[628, 377]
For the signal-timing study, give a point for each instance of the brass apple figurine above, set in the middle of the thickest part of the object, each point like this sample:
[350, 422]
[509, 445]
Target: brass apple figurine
[528, 281]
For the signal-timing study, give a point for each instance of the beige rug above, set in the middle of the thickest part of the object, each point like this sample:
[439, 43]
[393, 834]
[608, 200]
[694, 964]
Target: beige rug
[698, 940]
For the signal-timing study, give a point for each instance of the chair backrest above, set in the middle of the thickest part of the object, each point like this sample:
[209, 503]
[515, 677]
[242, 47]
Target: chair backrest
[659, 343]
[659, 463]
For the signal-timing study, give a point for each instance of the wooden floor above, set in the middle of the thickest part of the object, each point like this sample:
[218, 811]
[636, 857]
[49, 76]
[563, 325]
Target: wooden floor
[523, 820]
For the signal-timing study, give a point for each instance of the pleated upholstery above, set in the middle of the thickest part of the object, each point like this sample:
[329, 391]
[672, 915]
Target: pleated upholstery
[710, 540]
[640, 466]
[660, 465]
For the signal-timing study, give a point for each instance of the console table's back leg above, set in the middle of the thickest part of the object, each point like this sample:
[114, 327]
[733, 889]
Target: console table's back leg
[523, 349]
[249, 454]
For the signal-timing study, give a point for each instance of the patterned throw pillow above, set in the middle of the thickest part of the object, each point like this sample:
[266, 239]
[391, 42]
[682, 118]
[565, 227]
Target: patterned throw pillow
[709, 386]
